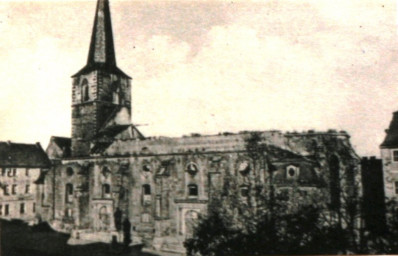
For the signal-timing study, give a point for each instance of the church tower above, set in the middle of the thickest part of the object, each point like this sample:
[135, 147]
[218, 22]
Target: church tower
[100, 89]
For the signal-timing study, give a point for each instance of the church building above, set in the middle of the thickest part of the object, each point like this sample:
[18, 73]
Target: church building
[108, 172]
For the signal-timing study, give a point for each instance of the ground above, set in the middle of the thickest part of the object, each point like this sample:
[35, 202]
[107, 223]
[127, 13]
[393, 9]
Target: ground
[19, 239]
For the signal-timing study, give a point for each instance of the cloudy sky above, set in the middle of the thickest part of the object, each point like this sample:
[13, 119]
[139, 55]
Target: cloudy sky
[209, 66]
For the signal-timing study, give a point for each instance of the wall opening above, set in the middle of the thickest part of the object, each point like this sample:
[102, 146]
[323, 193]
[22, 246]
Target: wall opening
[106, 191]
[68, 193]
[85, 95]
[193, 190]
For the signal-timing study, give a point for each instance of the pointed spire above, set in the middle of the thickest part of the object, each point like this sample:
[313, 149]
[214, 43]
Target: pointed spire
[101, 47]
[101, 54]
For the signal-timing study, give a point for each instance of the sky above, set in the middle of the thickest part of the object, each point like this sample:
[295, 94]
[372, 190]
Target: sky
[209, 66]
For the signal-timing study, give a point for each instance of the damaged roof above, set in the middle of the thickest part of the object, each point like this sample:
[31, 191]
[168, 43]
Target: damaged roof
[23, 155]
[104, 138]
[111, 131]
[278, 153]
[62, 142]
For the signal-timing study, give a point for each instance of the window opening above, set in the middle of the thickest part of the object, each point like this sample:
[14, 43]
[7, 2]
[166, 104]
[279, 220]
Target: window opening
[146, 189]
[69, 171]
[244, 191]
[85, 96]
[193, 190]
[106, 190]
[6, 210]
[69, 193]
[395, 155]
[14, 189]
[192, 169]
[5, 189]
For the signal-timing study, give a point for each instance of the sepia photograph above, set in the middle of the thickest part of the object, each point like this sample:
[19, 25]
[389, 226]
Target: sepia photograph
[198, 128]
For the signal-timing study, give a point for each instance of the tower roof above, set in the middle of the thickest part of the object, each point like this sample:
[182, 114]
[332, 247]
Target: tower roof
[101, 54]
[391, 139]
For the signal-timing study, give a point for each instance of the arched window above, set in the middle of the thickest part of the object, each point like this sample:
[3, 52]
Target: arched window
[146, 193]
[103, 211]
[190, 219]
[106, 190]
[146, 189]
[68, 212]
[334, 172]
[68, 193]
[85, 93]
[350, 180]
[116, 92]
[193, 190]
[104, 218]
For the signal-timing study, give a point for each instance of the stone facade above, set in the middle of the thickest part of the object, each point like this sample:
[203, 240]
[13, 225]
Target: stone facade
[22, 193]
[160, 183]
[95, 97]
[111, 173]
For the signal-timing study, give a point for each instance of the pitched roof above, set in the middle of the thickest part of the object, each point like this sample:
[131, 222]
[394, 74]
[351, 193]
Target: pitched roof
[100, 147]
[104, 138]
[23, 155]
[277, 154]
[111, 131]
[101, 54]
[62, 142]
[391, 139]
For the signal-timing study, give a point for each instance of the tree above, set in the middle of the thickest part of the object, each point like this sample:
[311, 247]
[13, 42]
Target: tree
[264, 221]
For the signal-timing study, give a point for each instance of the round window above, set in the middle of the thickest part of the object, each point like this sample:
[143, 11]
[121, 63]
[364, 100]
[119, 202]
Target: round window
[244, 167]
[291, 172]
[105, 171]
[146, 167]
[192, 169]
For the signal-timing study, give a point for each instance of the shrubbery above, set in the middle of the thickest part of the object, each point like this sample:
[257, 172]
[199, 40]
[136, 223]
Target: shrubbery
[265, 222]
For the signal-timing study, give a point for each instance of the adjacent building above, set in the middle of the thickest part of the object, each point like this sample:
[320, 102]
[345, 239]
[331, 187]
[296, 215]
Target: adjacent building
[389, 155]
[374, 207]
[22, 167]
[108, 172]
